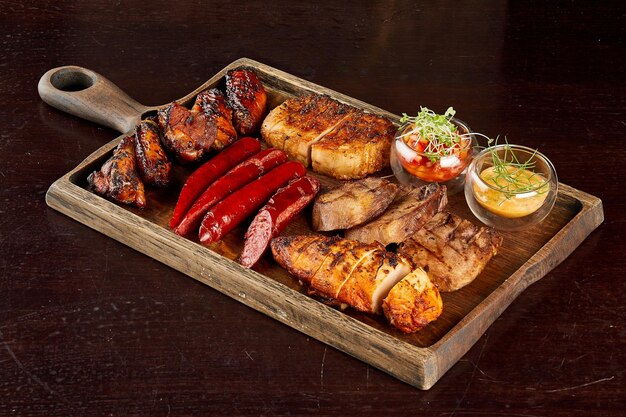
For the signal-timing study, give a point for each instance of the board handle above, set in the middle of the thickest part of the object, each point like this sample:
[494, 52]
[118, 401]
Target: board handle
[89, 95]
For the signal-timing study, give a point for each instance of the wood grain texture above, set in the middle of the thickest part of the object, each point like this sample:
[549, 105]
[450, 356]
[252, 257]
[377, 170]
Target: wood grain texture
[89, 326]
[419, 359]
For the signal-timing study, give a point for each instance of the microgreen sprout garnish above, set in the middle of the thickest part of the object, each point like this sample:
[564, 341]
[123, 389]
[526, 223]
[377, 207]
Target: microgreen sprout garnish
[511, 175]
[442, 135]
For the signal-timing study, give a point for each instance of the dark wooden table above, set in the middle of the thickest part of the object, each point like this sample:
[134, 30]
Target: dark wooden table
[91, 327]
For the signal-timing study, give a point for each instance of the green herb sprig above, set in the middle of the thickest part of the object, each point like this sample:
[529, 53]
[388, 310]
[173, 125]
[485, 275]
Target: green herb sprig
[513, 182]
[442, 135]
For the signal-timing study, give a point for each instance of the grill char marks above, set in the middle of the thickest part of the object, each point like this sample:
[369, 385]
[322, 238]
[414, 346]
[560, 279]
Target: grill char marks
[212, 104]
[247, 98]
[453, 250]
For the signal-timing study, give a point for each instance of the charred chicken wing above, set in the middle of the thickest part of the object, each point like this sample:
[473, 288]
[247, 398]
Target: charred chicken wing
[118, 178]
[189, 135]
[247, 98]
[213, 104]
[152, 161]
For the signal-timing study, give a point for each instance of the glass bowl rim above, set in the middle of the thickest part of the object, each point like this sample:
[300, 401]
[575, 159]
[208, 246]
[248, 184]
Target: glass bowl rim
[470, 144]
[485, 152]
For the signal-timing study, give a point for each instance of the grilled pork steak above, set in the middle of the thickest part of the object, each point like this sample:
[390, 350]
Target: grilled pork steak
[453, 250]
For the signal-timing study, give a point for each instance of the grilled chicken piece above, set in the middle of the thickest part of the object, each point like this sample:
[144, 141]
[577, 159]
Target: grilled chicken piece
[354, 273]
[371, 281]
[352, 204]
[453, 250]
[152, 161]
[404, 216]
[189, 135]
[247, 98]
[335, 138]
[334, 154]
[413, 302]
[213, 104]
[118, 178]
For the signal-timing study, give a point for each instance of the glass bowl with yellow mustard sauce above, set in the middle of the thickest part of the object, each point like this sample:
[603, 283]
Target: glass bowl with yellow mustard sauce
[511, 187]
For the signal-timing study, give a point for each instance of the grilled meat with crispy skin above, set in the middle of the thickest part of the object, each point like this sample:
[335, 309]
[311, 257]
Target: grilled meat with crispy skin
[453, 250]
[247, 98]
[213, 104]
[118, 178]
[189, 135]
[358, 147]
[403, 217]
[413, 302]
[335, 138]
[352, 203]
[152, 161]
[354, 273]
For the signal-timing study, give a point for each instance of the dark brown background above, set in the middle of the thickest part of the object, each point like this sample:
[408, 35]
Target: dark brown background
[91, 327]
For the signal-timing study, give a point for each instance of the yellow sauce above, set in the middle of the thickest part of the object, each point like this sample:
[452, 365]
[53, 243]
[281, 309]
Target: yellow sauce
[504, 204]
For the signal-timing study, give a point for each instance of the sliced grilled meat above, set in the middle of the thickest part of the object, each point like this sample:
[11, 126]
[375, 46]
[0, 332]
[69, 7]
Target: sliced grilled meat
[247, 98]
[352, 203]
[354, 273]
[453, 250]
[358, 147]
[118, 178]
[403, 217]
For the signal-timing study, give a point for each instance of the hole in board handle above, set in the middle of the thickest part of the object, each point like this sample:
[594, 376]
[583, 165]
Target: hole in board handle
[70, 80]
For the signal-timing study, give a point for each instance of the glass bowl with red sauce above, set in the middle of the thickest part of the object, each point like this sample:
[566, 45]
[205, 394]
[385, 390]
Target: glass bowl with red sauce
[440, 154]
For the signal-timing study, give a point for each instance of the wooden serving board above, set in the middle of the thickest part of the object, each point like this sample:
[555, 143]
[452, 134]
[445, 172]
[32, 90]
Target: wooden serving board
[419, 359]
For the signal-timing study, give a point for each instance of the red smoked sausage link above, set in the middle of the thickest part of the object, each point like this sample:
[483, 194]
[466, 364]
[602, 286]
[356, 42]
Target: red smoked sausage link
[272, 219]
[214, 168]
[242, 174]
[228, 213]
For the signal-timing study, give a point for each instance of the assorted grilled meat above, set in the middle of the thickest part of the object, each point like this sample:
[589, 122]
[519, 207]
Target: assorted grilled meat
[335, 139]
[437, 251]
[352, 203]
[453, 250]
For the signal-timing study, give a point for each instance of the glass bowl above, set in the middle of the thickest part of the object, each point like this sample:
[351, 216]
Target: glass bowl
[498, 203]
[412, 167]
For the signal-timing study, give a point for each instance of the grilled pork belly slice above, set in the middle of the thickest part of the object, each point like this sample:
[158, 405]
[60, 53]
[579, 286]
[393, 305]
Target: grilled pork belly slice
[403, 217]
[331, 114]
[212, 104]
[247, 98]
[352, 204]
[358, 147]
[286, 116]
[413, 302]
[335, 138]
[453, 250]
